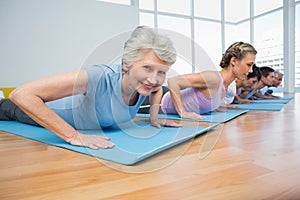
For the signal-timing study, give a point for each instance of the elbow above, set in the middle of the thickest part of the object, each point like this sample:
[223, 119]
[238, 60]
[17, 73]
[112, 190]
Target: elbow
[12, 95]
[16, 95]
[171, 82]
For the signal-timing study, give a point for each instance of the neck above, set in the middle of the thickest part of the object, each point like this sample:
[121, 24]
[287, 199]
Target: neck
[238, 83]
[227, 77]
[131, 99]
[129, 94]
[261, 84]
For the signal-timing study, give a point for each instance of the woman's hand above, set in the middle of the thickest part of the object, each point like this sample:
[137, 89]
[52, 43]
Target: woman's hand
[245, 101]
[91, 141]
[221, 109]
[228, 106]
[242, 101]
[164, 122]
[192, 115]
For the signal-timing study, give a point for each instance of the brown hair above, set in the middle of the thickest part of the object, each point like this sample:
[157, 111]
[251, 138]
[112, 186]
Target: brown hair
[238, 50]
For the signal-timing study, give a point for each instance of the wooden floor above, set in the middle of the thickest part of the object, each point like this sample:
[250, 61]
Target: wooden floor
[255, 156]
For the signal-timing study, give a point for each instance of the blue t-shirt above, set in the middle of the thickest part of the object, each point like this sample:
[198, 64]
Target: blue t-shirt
[102, 105]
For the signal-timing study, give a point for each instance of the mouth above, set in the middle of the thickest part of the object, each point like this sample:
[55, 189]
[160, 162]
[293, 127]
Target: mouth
[245, 76]
[147, 87]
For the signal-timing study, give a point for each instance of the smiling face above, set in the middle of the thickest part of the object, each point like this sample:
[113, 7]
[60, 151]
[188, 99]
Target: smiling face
[241, 68]
[144, 76]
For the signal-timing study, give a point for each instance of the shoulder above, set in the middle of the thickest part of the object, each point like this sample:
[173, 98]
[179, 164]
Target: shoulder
[96, 72]
[112, 68]
[211, 77]
[103, 76]
[211, 74]
[205, 75]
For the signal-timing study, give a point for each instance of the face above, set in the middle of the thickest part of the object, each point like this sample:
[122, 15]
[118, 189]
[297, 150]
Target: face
[146, 75]
[241, 68]
[277, 80]
[269, 79]
[250, 83]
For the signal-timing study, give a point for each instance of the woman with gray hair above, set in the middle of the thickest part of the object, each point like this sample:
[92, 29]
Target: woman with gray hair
[97, 96]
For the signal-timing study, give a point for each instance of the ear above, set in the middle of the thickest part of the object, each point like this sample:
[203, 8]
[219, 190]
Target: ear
[233, 61]
[125, 67]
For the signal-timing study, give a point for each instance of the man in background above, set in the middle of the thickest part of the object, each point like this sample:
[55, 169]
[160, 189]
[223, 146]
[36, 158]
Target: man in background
[278, 77]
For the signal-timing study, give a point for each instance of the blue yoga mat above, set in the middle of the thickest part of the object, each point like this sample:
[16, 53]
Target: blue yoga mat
[261, 106]
[213, 117]
[272, 101]
[286, 98]
[133, 141]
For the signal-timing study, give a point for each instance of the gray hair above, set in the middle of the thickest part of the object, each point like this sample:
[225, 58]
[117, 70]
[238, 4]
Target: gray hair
[144, 37]
[277, 73]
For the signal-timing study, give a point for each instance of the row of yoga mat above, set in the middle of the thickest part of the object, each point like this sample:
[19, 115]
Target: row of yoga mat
[134, 141]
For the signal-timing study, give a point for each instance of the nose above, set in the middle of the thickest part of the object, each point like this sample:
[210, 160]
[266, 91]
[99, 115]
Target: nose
[152, 78]
[251, 69]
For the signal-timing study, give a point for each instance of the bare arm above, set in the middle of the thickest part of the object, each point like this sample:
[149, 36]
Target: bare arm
[240, 100]
[155, 99]
[259, 95]
[31, 98]
[224, 105]
[202, 81]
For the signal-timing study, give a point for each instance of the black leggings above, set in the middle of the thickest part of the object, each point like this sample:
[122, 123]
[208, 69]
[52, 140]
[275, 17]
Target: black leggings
[11, 112]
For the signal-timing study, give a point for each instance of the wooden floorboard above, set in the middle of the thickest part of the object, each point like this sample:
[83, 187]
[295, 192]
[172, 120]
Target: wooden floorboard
[254, 156]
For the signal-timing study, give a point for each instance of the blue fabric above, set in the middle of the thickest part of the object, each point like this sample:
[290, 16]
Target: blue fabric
[214, 117]
[287, 98]
[272, 101]
[134, 141]
[102, 105]
[261, 106]
[266, 104]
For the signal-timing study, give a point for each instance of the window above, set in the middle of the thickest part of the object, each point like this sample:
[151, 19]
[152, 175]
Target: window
[205, 28]
[236, 10]
[235, 33]
[177, 24]
[146, 4]
[147, 19]
[123, 2]
[268, 37]
[180, 35]
[297, 45]
[174, 6]
[207, 36]
[208, 9]
[262, 6]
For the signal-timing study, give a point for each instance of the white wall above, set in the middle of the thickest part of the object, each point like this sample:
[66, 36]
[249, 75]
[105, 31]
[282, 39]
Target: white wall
[45, 37]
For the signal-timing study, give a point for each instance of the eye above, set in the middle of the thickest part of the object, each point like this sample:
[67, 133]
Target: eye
[162, 72]
[147, 67]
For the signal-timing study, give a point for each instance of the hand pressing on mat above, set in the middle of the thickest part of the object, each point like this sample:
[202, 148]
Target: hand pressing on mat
[191, 115]
[225, 106]
[164, 122]
[91, 141]
[96, 96]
